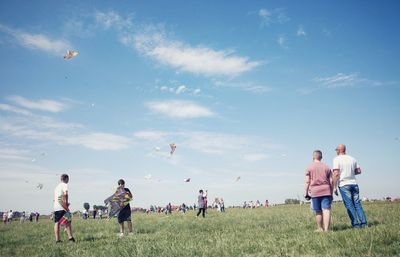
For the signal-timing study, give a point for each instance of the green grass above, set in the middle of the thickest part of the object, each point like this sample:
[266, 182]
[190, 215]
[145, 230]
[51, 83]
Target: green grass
[275, 231]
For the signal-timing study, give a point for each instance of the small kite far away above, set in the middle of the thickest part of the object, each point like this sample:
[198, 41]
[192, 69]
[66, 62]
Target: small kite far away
[187, 180]
[70, 54]
[173, 148]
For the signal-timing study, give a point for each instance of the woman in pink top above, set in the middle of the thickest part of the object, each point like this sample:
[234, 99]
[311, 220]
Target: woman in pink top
[318, 187]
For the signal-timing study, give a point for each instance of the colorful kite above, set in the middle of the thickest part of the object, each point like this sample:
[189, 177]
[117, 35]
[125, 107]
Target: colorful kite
[173, 148]
[70, 54]
[117, 201]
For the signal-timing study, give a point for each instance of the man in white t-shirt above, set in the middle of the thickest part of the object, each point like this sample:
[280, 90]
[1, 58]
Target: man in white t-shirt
[345, 169]
[61, 208]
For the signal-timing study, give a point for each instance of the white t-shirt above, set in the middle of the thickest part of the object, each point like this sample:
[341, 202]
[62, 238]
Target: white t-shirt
[59, 191]
[346, 166]
[10, 215]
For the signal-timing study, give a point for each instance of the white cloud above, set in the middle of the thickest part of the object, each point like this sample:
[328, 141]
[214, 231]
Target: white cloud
[282, 41]
[275, 16]
[38, 41]
[245, 86]
[179, 109]
[48, 130]
[151, 135]
[100, 141]
[43, 105]
[198, 60]
[113, 19]
[181, 89]
[10, 108]
[197, 91]
[301, 32]
[343, 80]
[346, 80]
[254, 157]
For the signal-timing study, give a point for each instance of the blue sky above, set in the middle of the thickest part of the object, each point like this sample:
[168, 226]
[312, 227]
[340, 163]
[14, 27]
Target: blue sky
[245, 89]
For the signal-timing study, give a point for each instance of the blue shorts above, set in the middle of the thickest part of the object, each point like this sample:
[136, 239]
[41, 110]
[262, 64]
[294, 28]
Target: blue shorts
[321, 202]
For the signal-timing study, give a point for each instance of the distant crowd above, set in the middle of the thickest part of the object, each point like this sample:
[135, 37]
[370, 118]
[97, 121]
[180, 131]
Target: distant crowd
[321, 183]
[9, 216]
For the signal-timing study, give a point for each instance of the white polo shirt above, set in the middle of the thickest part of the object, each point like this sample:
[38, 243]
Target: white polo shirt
[346, 166]
[59, 191]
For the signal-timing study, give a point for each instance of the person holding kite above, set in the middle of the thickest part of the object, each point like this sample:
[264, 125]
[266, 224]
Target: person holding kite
[125, 213]
[62, 215]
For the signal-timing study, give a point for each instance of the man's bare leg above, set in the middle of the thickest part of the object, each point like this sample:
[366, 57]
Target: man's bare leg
[69, 230]
[121, 228]
[130, 226]
[318, 218]
[57, 231]
[326, 213]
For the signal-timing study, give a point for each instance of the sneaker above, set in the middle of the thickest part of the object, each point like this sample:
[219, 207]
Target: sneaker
[72, 240]
[58, 241]
[121, 235]
[131, 234]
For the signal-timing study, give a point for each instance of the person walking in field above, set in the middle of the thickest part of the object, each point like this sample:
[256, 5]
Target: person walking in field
[318, 181]
[10, 216]
[201, 204]
[22, 218]
[345, 169]
[125, 213]
[61, 208]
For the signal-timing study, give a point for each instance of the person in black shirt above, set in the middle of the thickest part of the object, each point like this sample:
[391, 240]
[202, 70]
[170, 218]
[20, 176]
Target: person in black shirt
[125, 213]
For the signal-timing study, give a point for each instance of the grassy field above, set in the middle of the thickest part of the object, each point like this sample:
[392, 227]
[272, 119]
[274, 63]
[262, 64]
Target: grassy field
[275, 231]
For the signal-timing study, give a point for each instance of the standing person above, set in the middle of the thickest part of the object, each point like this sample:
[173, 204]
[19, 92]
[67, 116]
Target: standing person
[222, 205]
[10, 216]
[22, 218]
[319, 182]
[100, 213]
[205, 200]
[125, 213]
[31, 217]
[61, 207]
[37, 215]
[345, 169]
[201, 204]
[94, 213]
[5, 217]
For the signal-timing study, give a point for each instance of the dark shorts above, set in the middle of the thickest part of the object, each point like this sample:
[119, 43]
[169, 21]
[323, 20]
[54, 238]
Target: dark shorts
[124, 214]
[58, 215]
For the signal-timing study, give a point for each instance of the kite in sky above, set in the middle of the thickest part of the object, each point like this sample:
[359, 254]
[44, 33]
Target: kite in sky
[187, 180]
[173, 148]
[70, 54]
[147, 177]
[40, 186]
[238, 178]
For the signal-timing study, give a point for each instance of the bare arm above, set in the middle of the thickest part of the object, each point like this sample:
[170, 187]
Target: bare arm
[335, 178]
[357, 171]
[306, 185]
[64, 201]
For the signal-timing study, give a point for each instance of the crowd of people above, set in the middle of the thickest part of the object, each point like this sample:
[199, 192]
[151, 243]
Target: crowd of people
[321, 182]
[9, 216]
[251, 204]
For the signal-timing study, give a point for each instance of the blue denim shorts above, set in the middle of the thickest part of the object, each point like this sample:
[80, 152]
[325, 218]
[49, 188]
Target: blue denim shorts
[321, 202]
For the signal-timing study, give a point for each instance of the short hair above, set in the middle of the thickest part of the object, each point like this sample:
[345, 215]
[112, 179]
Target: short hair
[201, 191]
[64, 177]
[121, 182]
[319, 154]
